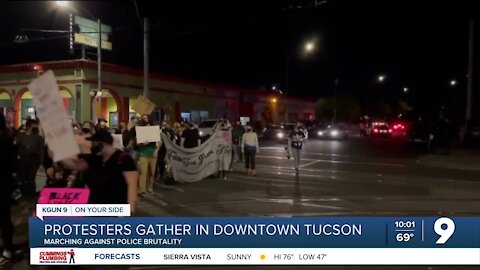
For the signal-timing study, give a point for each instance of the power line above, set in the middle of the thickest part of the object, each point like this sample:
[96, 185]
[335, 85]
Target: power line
[32, 40]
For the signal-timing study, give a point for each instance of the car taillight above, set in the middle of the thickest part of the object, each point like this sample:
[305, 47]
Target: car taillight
[375, 130]
[390, 131]
[395, 127]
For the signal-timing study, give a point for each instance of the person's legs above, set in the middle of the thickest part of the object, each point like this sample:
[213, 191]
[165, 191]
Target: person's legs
[142, 187]
[6, 228]
[296, 158]
[247, 161]
[152, 165]
[252, 162]
[22, 175]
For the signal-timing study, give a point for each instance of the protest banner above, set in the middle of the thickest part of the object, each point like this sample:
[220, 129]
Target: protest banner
[143, 106]
[64, 196]
[195, 164]
[148, 134]
[53, 116]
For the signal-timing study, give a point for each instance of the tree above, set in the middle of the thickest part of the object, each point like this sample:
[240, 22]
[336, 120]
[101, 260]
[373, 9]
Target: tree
[348, 108]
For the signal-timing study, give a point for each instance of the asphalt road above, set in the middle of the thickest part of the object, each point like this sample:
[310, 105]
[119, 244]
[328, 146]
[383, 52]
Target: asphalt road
[355, 177]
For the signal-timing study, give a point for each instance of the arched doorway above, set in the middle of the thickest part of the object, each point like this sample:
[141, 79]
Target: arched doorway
[24, 107]
[5, 100]
[110, 108]
[6, 105]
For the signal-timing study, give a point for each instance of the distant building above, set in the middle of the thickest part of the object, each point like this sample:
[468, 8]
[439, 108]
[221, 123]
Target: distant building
[176, 98]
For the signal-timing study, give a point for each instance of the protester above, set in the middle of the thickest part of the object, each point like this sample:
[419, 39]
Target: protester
[122, 130]
[191, 137]
[110, 174]
[147, 161]
[237, 134]
[226, 155]
[30, 152]
[162, 150]
[295, 144]
[250, 148]
[102, 124]
[177, 131]
[9, 164]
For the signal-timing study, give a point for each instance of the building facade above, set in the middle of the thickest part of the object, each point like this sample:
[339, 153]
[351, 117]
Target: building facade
[176, 98]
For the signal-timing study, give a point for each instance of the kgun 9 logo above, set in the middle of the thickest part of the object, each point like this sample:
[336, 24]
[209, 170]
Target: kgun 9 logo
[444, 227]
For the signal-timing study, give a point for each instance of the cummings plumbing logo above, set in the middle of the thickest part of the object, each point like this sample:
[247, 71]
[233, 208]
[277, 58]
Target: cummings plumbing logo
[57, 257]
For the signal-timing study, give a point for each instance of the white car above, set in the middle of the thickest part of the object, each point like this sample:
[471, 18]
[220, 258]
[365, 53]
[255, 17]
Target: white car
[206, 127]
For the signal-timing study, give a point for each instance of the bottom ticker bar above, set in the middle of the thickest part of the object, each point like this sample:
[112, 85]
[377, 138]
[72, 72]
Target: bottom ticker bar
[255, 256]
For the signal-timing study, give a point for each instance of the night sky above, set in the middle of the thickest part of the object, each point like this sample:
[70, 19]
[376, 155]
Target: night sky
[245, 43]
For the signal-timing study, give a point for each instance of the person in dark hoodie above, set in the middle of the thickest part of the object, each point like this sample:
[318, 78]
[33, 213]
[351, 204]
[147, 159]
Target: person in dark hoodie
[9, 164]
[30, 152]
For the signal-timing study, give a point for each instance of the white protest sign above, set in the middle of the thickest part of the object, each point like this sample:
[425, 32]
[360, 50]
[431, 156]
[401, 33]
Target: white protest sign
[148, 134]
[118, 141]
[195, 164]
[53, 116]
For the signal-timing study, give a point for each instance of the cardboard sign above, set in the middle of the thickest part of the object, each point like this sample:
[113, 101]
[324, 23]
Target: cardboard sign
[143, 106]
[53, 116]
[148, 134]
[64, 196]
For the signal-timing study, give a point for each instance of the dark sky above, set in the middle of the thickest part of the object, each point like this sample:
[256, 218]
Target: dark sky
[419, 44]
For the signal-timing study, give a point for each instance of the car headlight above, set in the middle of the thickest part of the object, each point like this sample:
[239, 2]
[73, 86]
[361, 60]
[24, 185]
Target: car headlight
[280, 135]
[320, 133]
[201, 133]
[334, 133]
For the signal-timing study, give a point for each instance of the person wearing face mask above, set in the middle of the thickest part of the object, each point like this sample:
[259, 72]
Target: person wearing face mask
[102, 124]
[296, 140]
[30, 155]
[147, 161]
[250, 148]
[110, 174]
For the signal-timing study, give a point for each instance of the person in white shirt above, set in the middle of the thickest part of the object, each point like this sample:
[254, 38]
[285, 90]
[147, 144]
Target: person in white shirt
[250, 148]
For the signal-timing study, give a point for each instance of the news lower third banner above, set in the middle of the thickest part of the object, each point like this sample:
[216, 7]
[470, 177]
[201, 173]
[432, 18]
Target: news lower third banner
[255, 241]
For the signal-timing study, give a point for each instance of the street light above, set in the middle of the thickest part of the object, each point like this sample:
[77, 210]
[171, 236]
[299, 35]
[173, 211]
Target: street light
[62, 3]
[405, 89]
[381, 78]
[453, 82]
[274, 88]
[274, 100]
[309, 46]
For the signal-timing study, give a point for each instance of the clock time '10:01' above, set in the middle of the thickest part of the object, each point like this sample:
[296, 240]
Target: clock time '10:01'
[405, 224]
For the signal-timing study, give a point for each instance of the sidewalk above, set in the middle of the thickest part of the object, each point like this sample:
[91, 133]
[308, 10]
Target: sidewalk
[458, 159]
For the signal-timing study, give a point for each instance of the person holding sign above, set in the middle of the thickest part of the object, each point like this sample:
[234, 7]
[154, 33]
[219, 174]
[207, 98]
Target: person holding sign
[148, 160]
[110, 174]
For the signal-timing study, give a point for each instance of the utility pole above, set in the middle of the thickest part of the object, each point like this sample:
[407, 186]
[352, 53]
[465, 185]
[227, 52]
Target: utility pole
[99, 70]
[146, 51]
[335, 101]
[286, 88]
[468, 110]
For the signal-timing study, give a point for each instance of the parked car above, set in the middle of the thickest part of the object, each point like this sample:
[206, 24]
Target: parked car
[206, 127]
[273, 132]
[380, 131]
[329, 132]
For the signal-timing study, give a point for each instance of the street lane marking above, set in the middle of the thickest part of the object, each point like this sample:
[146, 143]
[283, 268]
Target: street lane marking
[343, 161]
[309, 163]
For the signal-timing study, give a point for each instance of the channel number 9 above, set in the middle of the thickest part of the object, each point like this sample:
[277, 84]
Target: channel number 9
[444, 227]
